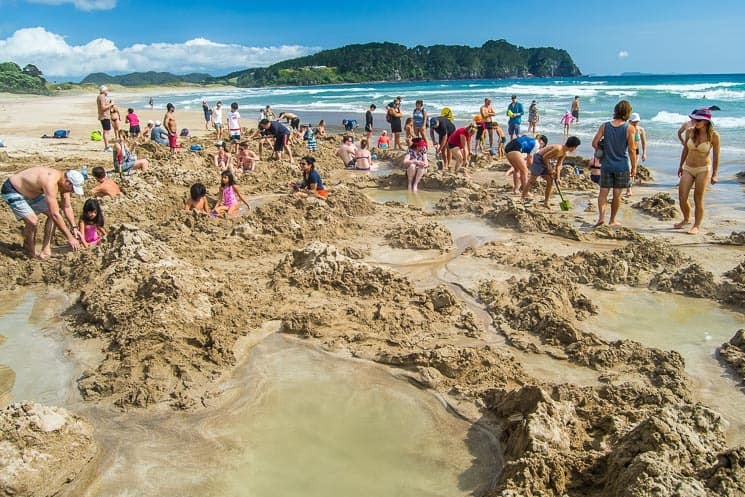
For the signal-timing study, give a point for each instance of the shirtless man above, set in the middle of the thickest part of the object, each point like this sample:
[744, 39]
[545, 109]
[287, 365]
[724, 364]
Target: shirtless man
[575, 108]
[35, 191]
[291, 119]
[347, 152]
[169, 122]
[106, 186]
[104, 105]
[542, 166]
[487, 116]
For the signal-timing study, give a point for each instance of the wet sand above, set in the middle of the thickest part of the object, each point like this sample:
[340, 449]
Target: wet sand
[462, 291]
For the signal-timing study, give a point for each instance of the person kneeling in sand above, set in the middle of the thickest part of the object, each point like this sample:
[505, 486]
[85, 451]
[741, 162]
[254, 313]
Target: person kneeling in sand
[105, 186]
[246, 159]
[35, 191]
[542, 166]
[311, 183]
[416, 163]
[197, 200]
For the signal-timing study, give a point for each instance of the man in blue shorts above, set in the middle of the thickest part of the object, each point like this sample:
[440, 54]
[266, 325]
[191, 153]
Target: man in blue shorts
[515, 115]
[542, 166]
[35, 191]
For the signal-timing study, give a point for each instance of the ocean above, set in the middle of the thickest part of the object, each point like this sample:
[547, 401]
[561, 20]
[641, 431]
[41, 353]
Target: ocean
[663, 101]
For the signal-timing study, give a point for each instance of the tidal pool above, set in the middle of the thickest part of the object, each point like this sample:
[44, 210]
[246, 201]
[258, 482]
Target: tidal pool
[290, 420]
[693, 327]
[424, 199]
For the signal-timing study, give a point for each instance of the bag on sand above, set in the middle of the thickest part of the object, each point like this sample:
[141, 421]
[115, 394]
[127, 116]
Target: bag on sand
[196, 147]
[61, 133]
[185, 132]
[96, 136]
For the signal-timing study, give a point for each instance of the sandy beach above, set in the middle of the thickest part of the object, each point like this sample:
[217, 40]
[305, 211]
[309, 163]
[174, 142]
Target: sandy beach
[514, 317]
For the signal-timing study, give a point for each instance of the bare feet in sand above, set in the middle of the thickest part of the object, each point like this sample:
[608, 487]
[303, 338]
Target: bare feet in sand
[546, 205]
[693, 230]
[599, 223]
[679, 225]
[44, 254]
[615, 224]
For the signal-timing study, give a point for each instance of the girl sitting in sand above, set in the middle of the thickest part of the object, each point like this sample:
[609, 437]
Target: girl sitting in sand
[384, 141]
[197, 200]
[223, 159]
[90, 225]
[416, 162]
[229, 196]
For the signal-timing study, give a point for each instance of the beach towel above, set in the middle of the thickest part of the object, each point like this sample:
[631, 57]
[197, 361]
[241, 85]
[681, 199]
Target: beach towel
[96, 136]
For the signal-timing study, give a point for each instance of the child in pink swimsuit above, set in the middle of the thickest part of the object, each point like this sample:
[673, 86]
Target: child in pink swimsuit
[90, 227]
[229, 196]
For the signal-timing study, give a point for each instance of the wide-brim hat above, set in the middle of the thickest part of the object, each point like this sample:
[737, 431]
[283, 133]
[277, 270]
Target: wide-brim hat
[700, 114]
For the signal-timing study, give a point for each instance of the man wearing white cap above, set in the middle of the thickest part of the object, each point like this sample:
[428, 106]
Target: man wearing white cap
[104, 105]
[36, 191]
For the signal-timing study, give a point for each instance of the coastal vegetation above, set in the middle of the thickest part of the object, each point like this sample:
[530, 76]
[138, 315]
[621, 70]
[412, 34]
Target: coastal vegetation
[28, 80]
[495, 59]
[393, 62]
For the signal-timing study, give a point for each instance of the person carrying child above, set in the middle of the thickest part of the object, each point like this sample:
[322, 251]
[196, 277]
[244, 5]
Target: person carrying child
[90, 226]
[229, 196]
[197, 200]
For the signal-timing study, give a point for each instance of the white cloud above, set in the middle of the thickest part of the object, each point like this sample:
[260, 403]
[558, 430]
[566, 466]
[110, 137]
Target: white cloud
[55, 57]
[81, 4]
[623, 54]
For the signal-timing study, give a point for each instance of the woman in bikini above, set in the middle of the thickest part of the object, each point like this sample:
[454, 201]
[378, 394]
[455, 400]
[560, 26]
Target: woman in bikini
[699, 163]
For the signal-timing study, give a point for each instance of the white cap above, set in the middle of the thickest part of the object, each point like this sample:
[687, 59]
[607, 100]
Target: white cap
[103, 88]
[150, 122]
[157, 123]
[77, 180]
[634, 117]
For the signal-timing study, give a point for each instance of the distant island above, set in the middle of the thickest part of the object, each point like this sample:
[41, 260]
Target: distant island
[495, 59]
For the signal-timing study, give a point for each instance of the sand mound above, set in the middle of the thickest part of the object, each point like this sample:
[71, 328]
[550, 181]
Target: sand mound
[429, 235]
[693, 281]
[735, 238]
[733, 352]
[660, 205]
[42, 449]
[526, 220]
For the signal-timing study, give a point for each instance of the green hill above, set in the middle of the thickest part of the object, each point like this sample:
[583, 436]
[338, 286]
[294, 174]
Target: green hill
[393, 62]
[13, 79]
[150, 78]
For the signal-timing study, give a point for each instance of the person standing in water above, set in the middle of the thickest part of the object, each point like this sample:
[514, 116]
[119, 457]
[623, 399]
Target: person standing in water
[699, 164]
[575, 109]
[618, 152]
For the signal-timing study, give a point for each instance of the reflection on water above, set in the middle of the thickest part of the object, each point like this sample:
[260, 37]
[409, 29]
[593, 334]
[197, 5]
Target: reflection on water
[693, 327]
[302, 423]
[423, 199]
[35, 355]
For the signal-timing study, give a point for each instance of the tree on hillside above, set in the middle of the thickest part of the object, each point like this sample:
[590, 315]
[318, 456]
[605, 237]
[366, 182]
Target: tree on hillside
[32, 70]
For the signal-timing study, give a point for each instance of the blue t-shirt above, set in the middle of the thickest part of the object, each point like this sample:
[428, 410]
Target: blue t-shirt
[313, 177]
[277, 129]
[527, 144]
[517, 109]
[159, 135]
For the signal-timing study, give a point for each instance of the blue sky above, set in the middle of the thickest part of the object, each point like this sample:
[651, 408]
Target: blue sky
[71, 38]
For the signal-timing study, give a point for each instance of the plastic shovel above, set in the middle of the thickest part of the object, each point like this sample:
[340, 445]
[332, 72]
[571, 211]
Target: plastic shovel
[564, 204]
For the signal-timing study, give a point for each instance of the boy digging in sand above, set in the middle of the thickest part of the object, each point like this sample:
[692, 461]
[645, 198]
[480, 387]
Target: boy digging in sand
[542, 166]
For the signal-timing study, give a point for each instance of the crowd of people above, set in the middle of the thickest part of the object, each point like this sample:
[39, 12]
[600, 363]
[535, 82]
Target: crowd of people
[618, 145]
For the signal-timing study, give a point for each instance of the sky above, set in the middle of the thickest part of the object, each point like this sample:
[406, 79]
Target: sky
[68, 39]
